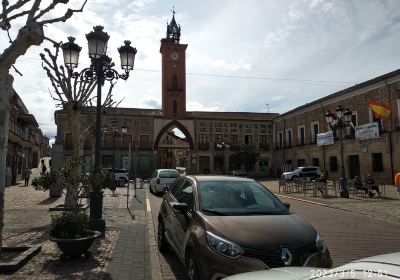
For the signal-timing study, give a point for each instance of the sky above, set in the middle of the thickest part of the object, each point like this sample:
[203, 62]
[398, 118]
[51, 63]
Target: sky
[245, 56]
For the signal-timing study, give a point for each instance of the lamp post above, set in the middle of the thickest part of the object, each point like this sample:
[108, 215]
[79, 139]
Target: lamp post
[100, 70]
[340, 119]
[115, 129]
[224, 146]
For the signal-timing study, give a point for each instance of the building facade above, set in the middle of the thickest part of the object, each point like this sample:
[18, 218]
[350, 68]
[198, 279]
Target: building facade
[295, 140]
[26, 142]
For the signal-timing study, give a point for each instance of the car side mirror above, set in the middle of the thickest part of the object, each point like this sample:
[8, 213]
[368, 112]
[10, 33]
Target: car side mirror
[287, 205]
[181, 207]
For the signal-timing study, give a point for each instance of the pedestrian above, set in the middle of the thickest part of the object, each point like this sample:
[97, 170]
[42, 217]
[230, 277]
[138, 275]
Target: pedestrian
[370, 183]
[397, 181]
[358, 184]
[44, 168]
[27, 174]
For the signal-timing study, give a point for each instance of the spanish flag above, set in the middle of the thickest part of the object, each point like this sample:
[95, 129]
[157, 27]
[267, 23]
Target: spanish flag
[380, 110]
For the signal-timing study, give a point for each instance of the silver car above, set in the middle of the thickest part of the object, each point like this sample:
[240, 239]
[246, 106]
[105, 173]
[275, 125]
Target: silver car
[308, 172]
[162, 178]
[383, 267]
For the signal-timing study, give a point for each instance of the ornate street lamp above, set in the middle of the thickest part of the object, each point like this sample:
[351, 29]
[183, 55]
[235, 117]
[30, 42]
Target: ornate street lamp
[115, 129]
[100, 70]
[340, 119]
[224, 146]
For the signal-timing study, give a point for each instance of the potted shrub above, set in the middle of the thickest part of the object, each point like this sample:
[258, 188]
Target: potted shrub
[71, 180]
[70, 230]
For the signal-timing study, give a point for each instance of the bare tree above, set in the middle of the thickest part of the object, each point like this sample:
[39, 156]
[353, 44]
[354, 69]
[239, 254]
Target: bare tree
[32, 12]
[73, 93]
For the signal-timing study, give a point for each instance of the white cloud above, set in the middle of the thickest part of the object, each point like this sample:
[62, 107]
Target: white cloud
[196, 106]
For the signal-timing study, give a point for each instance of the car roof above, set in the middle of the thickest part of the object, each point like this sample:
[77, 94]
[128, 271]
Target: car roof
[167, 170]
[205, 178]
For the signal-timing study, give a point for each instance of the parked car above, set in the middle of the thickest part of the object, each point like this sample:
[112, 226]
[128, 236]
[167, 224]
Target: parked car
[239, 173]
[121, 175]
[378, 267]
[161, 179]
[181, 170]
[221, 225]
[309, 172]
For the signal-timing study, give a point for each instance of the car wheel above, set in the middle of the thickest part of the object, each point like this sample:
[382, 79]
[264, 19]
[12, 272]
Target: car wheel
[294, 178]
[161, 241]
[192, 267]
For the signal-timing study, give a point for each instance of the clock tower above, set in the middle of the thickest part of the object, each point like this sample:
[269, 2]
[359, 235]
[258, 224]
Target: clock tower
[173, 65]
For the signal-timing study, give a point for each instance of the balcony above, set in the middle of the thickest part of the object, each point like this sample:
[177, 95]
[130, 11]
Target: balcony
[204, 146]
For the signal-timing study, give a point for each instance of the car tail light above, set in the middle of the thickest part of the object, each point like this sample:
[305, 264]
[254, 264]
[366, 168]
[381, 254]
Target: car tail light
[158, 181]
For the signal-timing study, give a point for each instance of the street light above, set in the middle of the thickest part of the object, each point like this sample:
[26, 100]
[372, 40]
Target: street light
[224, 146]
[100, 70]
[115, 129]
[340, 119]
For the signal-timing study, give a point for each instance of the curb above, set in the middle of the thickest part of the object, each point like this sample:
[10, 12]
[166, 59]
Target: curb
[154, 257]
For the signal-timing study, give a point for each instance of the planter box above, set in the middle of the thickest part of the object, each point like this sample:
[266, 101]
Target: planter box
[25, 254]
[74, 248]
[61, 207]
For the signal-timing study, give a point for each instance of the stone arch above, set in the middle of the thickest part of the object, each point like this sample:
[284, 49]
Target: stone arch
[181, 127]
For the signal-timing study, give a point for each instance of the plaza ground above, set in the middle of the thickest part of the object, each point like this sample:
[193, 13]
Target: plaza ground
[352, 228]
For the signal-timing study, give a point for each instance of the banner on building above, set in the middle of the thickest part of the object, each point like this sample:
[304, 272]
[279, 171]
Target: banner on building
[367, 131]
[324, 139]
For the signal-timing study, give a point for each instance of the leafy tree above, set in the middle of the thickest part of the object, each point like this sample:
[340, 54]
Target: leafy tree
[35, 15]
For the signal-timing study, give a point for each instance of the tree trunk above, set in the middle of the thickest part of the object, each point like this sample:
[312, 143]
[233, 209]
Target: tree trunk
[6, 91]
[74, 115]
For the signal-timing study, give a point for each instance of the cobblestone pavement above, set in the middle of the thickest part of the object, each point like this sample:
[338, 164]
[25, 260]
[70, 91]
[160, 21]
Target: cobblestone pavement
[348, 235]
[128, 251]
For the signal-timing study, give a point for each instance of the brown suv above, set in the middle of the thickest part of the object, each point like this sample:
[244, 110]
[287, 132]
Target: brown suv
[220, 225]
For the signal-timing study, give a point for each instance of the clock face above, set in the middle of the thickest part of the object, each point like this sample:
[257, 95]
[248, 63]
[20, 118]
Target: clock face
[174, 56]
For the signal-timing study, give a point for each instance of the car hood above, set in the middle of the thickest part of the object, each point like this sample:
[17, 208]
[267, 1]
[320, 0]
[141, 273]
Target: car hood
[287, 173]
[266, 232]
[284, 273]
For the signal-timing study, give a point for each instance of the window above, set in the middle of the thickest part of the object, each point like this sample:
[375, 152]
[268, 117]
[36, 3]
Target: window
[182, 191]
[218, 137]
[351, 129]
[263, 139]
[315, 161]
[248, 139]
[301, 162]
[144, 141]
[280, 139]
[234, 138]
[301, 133]
[377, 162]
[203, 138]
[289, 137]
[174, 107]
[314, 131]
[333, 165]
[398, 110]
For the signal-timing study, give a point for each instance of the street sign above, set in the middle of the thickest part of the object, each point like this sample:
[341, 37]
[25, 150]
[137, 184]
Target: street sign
[194, 161]
[194, 155]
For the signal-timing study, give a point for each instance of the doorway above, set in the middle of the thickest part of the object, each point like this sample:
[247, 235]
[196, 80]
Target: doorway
[354, 166]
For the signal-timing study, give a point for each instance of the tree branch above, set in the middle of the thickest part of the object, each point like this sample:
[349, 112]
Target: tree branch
[17, 5]
[66, 16]
[33, 10]
[50, 7]
[16, 70]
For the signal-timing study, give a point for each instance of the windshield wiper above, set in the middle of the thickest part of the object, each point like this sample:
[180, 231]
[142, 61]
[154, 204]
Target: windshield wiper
[214, 212]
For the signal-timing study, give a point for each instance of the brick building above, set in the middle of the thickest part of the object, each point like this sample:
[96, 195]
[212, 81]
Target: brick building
[26, 142]
[295, 140]
[149, 130]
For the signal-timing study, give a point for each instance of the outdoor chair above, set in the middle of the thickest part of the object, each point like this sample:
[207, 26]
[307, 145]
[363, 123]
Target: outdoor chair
[321, 188]
[283, 185]
[308, 186]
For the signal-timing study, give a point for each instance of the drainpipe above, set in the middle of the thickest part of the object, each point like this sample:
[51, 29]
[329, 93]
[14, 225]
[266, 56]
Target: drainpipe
[390, 133]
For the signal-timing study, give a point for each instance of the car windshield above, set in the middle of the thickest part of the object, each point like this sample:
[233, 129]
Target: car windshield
[169, 174]
[236, 198]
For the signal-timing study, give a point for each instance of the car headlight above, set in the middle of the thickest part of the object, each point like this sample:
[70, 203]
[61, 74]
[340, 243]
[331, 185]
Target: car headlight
[320, 243]
[223, 246]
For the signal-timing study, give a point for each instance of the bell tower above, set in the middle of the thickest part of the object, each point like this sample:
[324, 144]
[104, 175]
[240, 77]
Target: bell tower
[173, 65]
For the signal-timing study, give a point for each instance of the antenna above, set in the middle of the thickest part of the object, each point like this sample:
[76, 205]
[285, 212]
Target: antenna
[267, 107]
